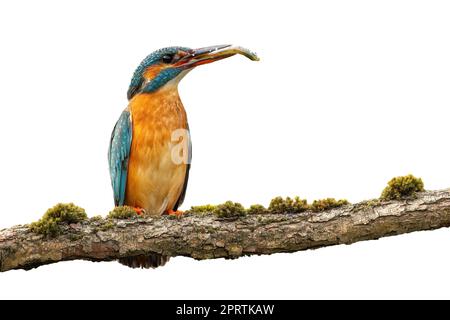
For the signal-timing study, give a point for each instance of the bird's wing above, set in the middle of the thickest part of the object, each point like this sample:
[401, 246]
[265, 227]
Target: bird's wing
[186, 177]
[118, 155]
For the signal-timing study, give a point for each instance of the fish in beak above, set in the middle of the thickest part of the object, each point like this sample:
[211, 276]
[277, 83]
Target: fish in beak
[197, 57]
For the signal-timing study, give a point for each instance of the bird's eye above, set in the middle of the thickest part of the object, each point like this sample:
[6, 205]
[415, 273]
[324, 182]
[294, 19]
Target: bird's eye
[167, 58]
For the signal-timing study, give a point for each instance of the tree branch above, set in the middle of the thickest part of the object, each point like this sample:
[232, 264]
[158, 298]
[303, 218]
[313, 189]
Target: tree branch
[208, 237]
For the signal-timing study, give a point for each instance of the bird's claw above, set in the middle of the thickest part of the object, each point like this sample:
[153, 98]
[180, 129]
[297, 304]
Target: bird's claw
[139, 211]
[177, 213]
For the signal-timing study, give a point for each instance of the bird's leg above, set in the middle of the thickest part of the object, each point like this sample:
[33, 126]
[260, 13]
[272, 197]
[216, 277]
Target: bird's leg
[177, 213]
[139, 211]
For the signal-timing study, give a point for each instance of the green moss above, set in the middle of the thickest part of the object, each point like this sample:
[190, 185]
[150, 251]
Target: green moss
[288, 205]
[47, 228]
[369, 203]
[401, 187]
[373, 202]
[106, 226]
[205, 209]
[229, 209]
[96, 218]
[49, 224]
[257, 209]
[328, 203]
[122, 212]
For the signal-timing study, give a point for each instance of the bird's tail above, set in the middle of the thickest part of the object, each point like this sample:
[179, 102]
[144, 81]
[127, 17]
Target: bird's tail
[145, 261]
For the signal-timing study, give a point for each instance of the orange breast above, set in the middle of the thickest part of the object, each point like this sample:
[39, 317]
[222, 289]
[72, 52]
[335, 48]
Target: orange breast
[155, 180]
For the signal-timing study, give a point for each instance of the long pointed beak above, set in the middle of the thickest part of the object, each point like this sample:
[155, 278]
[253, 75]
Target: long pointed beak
[210, 54]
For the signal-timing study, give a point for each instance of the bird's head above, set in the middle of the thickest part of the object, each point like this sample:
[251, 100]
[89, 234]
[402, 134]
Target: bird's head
[168, 66]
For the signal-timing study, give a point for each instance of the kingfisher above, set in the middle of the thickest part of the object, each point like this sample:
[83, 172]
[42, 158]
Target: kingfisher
[150, 148]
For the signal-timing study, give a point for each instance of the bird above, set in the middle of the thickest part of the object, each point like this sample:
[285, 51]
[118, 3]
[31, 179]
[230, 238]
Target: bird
[150, 148]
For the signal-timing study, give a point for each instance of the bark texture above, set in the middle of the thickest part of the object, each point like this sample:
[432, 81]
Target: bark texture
[208, 237]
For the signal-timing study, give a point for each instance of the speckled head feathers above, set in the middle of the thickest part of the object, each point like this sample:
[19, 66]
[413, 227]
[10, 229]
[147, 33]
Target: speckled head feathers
[153, 58]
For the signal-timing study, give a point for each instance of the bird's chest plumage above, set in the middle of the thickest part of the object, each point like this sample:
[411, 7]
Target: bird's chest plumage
[155, 180]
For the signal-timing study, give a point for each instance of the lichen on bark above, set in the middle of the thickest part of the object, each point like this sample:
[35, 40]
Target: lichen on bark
[210, 236]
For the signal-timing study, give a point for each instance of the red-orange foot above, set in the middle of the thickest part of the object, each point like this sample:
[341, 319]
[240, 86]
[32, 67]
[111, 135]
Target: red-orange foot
[177, 213]
[139, 211]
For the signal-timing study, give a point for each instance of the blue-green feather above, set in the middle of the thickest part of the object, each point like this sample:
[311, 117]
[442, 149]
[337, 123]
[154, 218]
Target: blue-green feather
[118, 156]
[161, 79]
[153, 58]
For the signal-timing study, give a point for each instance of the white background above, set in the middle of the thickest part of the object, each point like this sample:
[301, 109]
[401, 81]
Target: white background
[347, 95]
